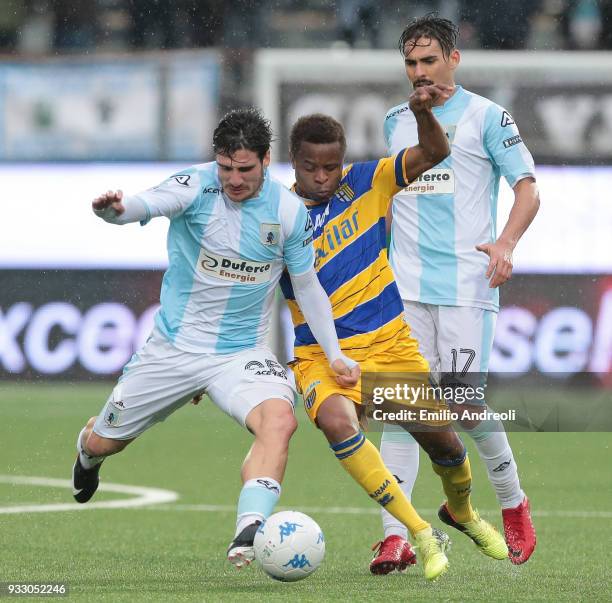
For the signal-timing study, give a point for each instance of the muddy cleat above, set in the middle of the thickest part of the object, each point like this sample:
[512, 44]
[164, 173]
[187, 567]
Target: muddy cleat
[484, 535]
[240, 552]
[432, 545]
[84, 481]
[392, 553]
[519, 531]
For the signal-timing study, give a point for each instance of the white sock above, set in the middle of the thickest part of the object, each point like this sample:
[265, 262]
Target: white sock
[495, 451]
[87, 461]
[400, 453]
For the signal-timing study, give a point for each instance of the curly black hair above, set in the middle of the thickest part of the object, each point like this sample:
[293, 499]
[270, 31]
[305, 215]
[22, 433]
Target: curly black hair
[433, 27]
[243, 129]
[316, 128]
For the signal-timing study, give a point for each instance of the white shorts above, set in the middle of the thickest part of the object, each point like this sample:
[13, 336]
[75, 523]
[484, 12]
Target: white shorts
[454, 339]
[160, 378]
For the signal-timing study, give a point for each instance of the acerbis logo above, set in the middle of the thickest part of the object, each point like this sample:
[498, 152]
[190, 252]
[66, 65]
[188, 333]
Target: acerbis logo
[212, 191]
[268, 485]
[273, 368]
[506, 119]
[182, 179]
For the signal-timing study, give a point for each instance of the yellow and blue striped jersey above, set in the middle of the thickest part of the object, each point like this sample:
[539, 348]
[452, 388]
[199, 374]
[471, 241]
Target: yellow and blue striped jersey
[351, 260]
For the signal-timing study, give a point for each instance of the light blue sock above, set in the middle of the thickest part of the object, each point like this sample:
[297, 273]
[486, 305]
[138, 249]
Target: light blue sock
[258, 498]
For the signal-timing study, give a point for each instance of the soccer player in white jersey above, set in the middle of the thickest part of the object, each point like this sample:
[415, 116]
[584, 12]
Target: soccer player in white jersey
[233, 230]
[449, 260]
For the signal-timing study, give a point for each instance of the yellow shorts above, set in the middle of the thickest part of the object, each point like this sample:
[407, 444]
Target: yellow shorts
[394, 362]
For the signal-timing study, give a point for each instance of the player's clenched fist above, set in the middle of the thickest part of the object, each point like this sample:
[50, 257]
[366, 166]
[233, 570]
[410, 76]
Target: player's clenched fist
[424, 97]
[109, 202]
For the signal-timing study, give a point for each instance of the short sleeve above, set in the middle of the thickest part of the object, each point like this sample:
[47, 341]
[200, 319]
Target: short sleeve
[390, 175]
[172, 197]
[298, 250]
[504, 145]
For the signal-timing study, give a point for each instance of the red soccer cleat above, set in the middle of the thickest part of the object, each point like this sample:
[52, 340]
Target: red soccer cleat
[519, 531]
[392, 553]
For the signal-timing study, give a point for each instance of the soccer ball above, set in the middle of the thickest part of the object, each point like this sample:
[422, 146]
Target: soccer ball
[289, 546]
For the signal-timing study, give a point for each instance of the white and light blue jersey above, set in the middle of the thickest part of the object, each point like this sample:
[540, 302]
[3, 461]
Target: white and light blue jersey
[225, 258]
[440, 218]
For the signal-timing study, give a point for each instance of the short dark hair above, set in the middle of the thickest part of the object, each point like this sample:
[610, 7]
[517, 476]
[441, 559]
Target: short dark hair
[318, 129]
[433, 27]
[243, 129]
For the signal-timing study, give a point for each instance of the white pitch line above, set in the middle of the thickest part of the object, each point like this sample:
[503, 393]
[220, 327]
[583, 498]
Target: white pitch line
[143, 496]
[375, 510]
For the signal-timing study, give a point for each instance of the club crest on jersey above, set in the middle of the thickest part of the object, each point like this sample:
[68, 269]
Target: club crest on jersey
[269, 234]
[345, 193]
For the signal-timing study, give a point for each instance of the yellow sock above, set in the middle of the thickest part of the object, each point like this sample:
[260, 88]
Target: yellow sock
[457, 483]
[363, 461]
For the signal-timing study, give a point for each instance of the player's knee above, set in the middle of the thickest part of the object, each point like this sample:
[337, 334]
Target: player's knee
[450, 452]
[280, 426]
[337, 428]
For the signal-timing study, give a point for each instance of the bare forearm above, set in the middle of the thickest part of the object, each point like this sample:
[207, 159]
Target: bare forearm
[432, 148]
[524, 210]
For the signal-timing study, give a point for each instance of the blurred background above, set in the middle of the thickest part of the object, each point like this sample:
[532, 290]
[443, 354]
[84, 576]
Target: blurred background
[122, 93]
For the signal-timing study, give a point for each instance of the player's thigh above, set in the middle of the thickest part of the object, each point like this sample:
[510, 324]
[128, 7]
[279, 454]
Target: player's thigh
[316, 382]
[465, 339]
[158, 379]
[247, 380]
[420, 319]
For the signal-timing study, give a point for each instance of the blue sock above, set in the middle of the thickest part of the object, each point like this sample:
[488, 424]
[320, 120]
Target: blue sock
[257, 501]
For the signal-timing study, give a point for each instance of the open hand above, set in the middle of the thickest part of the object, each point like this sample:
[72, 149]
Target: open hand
[500, 262]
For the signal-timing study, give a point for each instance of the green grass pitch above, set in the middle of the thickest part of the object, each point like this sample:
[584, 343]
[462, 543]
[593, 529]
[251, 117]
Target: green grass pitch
[176, 551]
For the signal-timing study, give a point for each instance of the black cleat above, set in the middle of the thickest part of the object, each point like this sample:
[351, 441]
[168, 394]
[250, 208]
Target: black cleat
[240, 552]
[84, 481]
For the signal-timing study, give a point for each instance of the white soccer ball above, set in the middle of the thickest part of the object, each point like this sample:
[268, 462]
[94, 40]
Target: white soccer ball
[289, 546]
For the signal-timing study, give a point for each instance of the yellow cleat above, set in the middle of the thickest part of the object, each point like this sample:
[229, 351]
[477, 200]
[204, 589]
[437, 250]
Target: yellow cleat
[484, 535]
[432, 545]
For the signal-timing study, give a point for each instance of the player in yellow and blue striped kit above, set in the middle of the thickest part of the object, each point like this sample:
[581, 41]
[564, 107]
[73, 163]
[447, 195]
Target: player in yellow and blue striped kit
[348, 209]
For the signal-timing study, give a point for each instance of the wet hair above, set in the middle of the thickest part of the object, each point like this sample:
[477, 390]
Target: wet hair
[433, 27]
[318, 129]
[243, 129]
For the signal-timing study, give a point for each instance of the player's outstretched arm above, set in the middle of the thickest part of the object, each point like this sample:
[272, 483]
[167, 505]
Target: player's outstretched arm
[113, 208]
[317, 311]
[524, 210]
[433, 144]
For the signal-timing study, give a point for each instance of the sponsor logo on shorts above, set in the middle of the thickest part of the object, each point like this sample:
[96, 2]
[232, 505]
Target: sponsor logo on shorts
[269, 234]
[272, 367]
[510, 142]
[433, 182]
[233, 269]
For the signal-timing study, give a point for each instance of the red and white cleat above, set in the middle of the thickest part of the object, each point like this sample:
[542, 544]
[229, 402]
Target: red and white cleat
[392, 553]
[519, 532]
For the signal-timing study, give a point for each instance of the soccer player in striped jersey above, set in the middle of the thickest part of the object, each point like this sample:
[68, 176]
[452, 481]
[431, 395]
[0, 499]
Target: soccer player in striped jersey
[449, 260]
[348, 209]
[233, 230]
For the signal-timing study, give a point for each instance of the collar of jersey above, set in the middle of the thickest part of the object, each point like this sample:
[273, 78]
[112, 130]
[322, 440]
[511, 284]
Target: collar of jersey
[451, 101]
